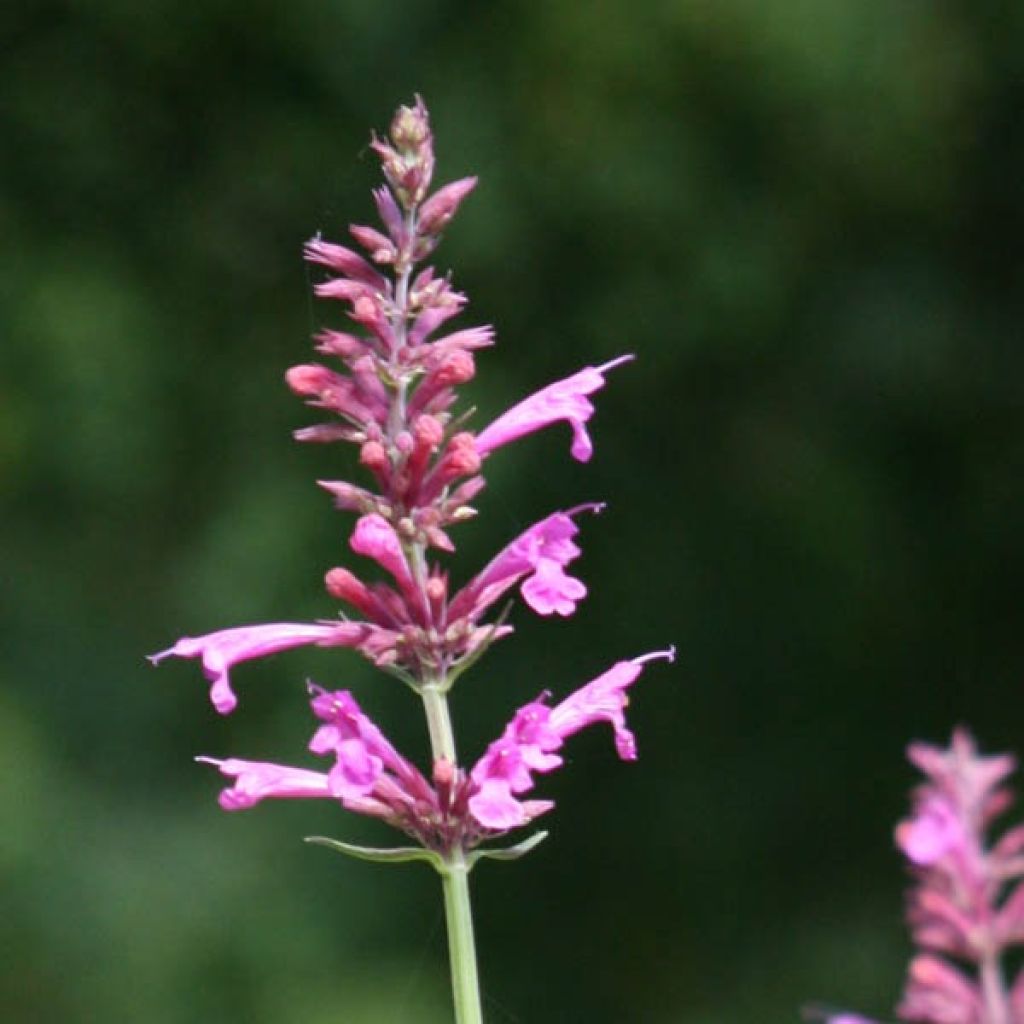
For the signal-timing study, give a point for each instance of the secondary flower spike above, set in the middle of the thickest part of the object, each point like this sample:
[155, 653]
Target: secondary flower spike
[966, 907]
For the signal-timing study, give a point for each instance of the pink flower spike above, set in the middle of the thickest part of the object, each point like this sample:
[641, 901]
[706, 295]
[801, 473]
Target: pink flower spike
[564, 400]
[604, 698]
[259, 780]
[222, 650]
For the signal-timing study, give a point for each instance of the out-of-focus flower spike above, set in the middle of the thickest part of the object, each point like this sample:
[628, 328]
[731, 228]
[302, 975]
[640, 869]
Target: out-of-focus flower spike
[564, 400]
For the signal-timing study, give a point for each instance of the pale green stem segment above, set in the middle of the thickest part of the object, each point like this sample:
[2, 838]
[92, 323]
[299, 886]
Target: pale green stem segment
[461, 945]
[454, 876]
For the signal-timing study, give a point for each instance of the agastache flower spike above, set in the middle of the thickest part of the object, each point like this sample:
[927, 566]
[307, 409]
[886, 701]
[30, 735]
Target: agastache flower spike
[391, 390]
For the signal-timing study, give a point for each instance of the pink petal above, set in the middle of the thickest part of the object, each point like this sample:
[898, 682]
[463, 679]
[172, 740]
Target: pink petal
[546, 546]
[495, 807]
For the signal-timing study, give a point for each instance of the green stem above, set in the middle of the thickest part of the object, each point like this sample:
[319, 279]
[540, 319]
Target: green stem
[455, 876]
[461, 945]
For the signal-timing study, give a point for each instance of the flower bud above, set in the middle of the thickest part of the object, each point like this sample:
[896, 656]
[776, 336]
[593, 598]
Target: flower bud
[439, 209]
[310, 380]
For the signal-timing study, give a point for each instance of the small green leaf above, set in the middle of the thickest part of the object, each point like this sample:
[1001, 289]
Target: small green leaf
[507, 852]
[395, 855]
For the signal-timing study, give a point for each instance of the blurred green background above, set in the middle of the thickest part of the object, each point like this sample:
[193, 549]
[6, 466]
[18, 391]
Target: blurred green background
[804, 216]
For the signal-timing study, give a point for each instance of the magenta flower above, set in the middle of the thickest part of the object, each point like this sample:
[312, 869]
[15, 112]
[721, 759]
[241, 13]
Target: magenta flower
[528, 743]
[539, 555]
[224, 649]
[564, 400]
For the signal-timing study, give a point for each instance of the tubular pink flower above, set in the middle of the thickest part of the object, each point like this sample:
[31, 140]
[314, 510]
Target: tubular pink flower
[604, 699]
[363, 752]
[540, 554]
[260, 780]
[528, 743]
[564, 400]
[222, 650]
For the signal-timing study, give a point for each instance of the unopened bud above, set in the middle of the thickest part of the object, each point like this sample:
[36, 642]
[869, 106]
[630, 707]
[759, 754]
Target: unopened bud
[439, 209]
[436, 589]
[378, 245]
[310, 379]
[428, 431]
[444, 772]
[373, 456]
[343, 585]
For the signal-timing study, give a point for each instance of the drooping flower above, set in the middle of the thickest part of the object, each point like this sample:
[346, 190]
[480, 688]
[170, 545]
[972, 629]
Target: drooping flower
[564, 400]
[222, 650]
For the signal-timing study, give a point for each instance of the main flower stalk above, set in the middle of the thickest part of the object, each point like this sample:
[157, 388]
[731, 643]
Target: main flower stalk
[392, 392]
